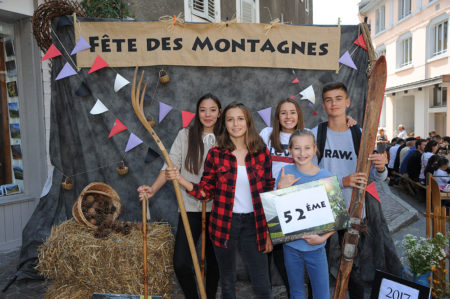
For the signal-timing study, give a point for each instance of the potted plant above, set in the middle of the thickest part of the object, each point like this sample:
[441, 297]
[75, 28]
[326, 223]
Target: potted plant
[423, 254]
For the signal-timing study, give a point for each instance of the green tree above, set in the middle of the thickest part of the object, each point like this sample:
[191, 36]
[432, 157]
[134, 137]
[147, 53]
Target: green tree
[115, 9]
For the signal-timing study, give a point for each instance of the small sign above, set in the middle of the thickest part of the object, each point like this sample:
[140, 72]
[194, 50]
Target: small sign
[313, 210]
[388, 286]
[315, 207]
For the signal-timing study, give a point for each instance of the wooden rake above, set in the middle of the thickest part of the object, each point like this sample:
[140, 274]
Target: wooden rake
[137, 100]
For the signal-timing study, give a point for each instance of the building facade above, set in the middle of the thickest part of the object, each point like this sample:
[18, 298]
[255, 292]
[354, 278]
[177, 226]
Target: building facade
[413, 35]
[23, 163]
[25, 91]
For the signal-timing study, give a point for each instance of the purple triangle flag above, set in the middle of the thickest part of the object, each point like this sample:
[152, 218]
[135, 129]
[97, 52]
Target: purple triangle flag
[81, 45]
[265, 115]
[133, 141]
[66, 71]
[163, 110]
[347, 60]
[309, 105]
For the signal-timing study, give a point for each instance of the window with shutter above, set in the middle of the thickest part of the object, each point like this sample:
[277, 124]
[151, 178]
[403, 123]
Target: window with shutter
[248, 11]
[205, 9]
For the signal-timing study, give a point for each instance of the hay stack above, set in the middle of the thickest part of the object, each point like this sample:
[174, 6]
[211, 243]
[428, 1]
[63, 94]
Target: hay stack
[77, 261]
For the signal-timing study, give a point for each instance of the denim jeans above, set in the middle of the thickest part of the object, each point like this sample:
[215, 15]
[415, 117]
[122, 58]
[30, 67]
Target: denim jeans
[182, 260]
[243, 238]
[317, 266]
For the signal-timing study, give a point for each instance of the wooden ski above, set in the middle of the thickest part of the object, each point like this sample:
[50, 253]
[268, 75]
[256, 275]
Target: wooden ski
[375, 96]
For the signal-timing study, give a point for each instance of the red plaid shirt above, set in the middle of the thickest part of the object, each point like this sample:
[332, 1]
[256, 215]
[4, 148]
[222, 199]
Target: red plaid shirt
[219, 182]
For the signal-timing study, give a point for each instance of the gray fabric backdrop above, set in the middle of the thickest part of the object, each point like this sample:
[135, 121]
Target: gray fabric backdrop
[79, 141]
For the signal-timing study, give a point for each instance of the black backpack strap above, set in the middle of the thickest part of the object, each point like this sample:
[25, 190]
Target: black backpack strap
[356, 136]
[321, 138]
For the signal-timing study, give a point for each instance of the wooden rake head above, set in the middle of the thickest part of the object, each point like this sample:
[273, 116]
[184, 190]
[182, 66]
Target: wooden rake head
[137, 98]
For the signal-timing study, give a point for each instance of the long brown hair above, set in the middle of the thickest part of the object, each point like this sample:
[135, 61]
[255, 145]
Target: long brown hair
[275, 136]
[252, 139]
[195, 151]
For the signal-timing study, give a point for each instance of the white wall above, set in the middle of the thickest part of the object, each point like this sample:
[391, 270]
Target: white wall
[23, 7]
[420, 114]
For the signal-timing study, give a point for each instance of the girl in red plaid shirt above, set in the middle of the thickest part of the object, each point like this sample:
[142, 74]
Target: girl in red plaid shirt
[236, 171]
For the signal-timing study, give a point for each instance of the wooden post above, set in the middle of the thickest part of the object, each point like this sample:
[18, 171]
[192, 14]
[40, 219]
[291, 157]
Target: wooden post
[144, 245]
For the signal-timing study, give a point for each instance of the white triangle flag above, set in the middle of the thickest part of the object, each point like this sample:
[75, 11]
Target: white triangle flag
[98, 108]
[308, 94]
[120, 82]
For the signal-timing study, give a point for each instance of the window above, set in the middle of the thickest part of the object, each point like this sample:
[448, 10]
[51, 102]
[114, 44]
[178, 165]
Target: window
[439, 96]
[205, 9]
[405, 52]
[247, 11]
[11, 165]
[380, 51]
[439, 38]
[380, 19]
[404, 9]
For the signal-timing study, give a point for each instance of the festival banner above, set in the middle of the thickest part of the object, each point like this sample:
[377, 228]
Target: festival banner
[315, 207]
[125, 44]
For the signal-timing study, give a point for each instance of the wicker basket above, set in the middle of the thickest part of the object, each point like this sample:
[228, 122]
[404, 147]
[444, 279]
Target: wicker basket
[96, 188]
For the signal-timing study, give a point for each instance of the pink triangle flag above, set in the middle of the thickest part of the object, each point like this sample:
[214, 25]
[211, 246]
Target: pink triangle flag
[347, 60]
[51, 52]
[164, 109]
[372, 190]
[133, 141]
[186, 116]
[292, 97]
[81, 45]
[99, 63]
[295, 80]
[66, 71]
[117, 128]
[265, 115]
[361, 42]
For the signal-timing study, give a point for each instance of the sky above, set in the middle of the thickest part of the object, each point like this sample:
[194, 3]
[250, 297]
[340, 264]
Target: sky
[327, 12]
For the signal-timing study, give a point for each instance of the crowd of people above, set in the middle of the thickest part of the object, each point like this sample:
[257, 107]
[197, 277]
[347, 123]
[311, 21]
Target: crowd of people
[221, 159]
[416, 157]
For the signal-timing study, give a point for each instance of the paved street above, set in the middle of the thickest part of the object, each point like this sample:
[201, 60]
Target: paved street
[403, 212]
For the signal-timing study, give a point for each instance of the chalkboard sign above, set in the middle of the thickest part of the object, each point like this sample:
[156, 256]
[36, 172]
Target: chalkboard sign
[388, 286]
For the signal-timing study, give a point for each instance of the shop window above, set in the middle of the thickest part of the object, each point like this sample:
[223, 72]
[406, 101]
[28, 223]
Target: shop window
[404, 9]
[439, 38]
[11, 166]
[380, 18]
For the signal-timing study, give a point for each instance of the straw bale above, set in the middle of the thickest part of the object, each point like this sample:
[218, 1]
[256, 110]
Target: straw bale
[64, 291]
[72, 256]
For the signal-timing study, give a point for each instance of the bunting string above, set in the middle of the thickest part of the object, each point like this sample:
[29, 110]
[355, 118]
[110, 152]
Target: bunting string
[172, 22]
